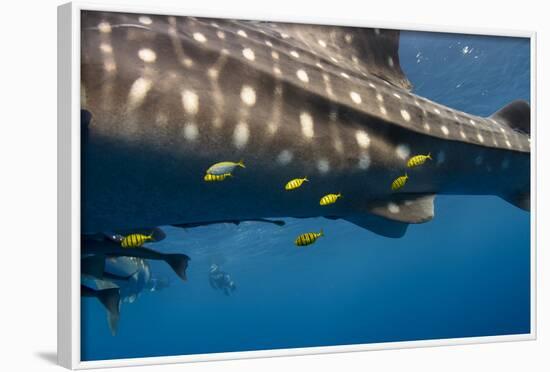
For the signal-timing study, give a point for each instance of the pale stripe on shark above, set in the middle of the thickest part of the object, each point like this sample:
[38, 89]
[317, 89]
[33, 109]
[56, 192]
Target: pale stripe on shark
[176, 43]
[190, 101]
[217, 95]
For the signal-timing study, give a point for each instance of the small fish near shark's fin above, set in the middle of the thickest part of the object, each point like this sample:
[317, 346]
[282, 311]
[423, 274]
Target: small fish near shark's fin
[516, 115]
[405, 208]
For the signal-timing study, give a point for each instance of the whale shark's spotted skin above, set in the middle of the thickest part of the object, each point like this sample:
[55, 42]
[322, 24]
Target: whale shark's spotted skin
[169, 96]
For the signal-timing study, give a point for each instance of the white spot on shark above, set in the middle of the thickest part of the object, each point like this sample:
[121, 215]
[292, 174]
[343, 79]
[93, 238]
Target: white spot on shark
[106, 48]
[284, 157]
[397, 96]
[138, 91]
[383, 110]
[462, 134]
[248, 95]
[355, 97]
[241, 135]
[427, 127]
[390, 61]
[104, 27]
[294, 54]
[242, 33]
[480, 138]
[145, 20]
[508, 143]
[220, 34]
[363, 139]
[274, 55]
[393, 208]
[405, 114]
[213, 73]
[269, 43]
[379, 97]
[403, 151]
[322, 43]
[302, 75]
[277, 71]
[348, 38]
[188, 62]
[472, 122]
[110, 66]
[445, 130]
[199, 37]
[364, 161]
[306, 121]
[190, 101]
[249, 54]
[436, 110]
[344, 75]
[323, 165]
[190, 131]
[147, 55]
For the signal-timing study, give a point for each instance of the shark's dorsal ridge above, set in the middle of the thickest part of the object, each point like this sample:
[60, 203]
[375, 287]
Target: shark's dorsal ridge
[517, 115]
[374, 50]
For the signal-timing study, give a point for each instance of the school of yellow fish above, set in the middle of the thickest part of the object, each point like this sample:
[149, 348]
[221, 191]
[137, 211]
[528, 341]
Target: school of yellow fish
[224, 170]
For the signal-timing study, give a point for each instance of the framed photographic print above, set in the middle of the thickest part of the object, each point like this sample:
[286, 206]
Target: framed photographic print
[234, 187]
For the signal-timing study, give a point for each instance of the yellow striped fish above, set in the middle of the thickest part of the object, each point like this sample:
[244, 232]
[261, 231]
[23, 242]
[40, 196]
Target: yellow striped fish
[224, 167]
[417, 160]
[329, 199]
[216, 177]
[399, 182]
[295, 183]
[308, 238]
[135, 240]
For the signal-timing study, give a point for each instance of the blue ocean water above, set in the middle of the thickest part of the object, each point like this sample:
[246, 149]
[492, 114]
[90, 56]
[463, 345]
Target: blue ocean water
[466, 273]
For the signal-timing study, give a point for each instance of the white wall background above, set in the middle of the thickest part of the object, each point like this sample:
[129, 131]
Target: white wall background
[28, 182]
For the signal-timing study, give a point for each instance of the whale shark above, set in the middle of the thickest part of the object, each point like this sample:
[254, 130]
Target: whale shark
[165, 97]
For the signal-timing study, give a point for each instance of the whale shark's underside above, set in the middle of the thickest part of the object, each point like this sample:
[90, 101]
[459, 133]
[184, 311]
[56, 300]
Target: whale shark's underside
[163, 98]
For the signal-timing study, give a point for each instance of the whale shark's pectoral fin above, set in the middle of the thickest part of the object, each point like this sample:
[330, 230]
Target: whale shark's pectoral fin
[379, 225]
[405, 208]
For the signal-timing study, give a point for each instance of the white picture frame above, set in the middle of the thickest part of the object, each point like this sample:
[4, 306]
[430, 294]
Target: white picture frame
[69, 189]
